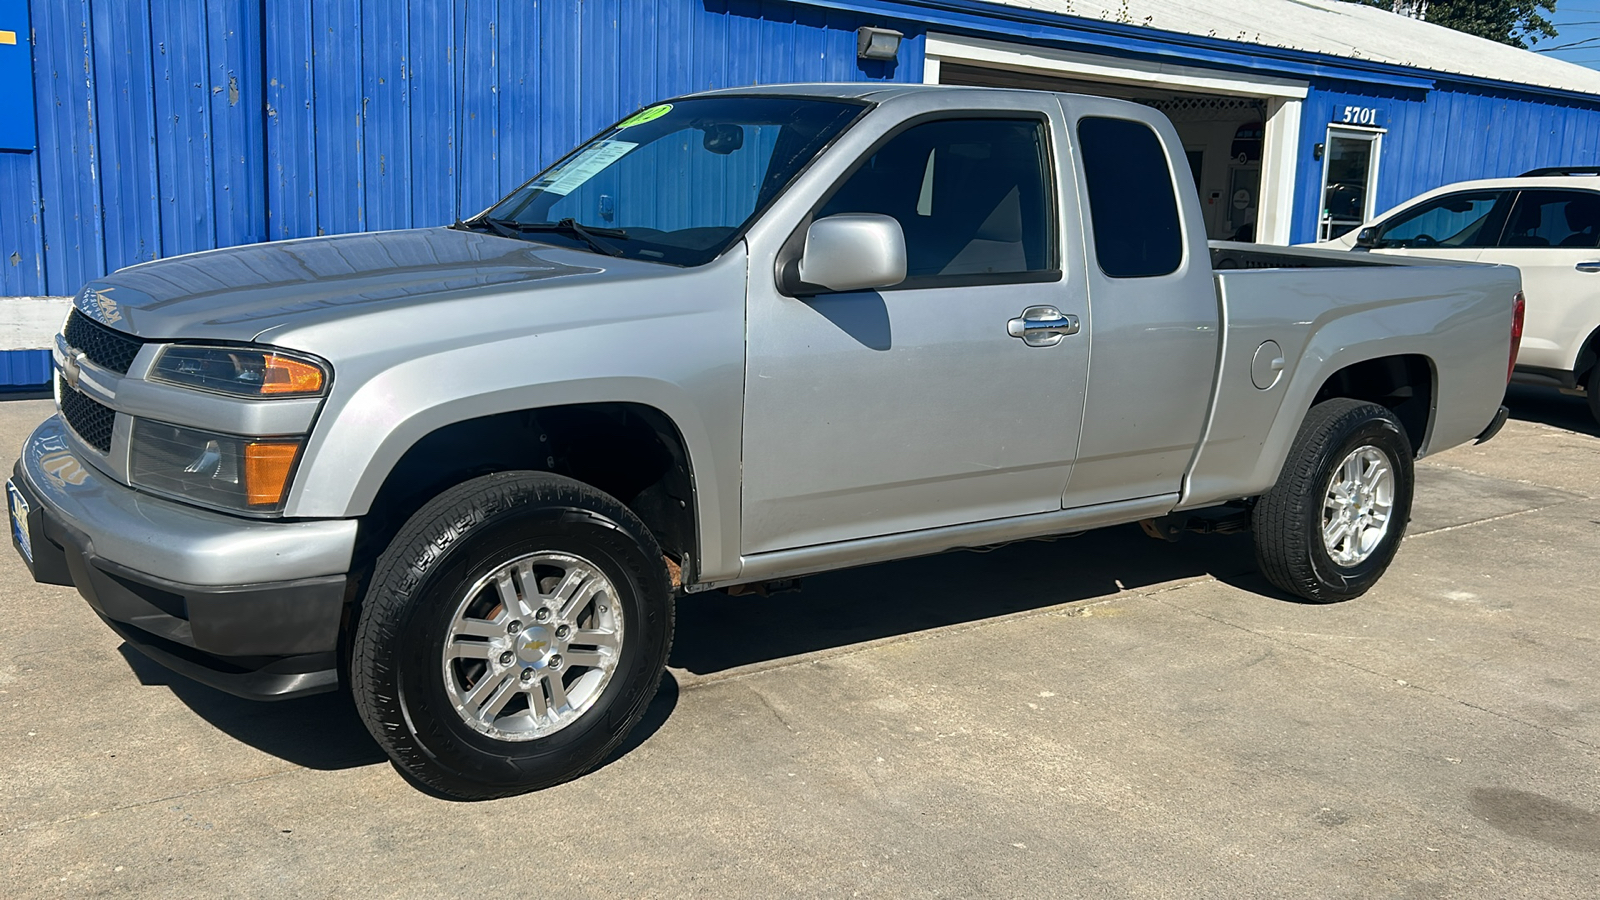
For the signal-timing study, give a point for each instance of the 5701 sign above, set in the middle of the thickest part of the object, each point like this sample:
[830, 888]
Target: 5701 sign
[1357, 115]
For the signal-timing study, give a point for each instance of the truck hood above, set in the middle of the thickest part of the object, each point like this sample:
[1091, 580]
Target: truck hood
[239, 293]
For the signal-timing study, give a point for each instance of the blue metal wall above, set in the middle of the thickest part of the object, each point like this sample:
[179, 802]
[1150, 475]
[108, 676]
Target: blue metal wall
[1447, 134]
[170, 126]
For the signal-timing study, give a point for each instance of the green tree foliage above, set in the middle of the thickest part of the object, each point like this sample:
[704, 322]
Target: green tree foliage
[1520, 23]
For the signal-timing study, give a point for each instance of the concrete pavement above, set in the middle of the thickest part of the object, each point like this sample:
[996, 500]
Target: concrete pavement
[1100, 716]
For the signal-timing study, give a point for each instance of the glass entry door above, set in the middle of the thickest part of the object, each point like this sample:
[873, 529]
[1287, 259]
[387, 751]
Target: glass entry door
[1349, 177]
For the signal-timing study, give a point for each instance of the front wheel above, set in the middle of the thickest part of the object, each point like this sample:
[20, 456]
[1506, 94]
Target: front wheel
[514, 633]
[1331, 525]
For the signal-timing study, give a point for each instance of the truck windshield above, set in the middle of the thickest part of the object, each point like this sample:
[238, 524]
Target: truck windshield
[675, 183]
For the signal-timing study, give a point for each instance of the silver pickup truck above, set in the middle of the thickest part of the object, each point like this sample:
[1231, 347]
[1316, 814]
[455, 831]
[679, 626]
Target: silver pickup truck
[738, 337]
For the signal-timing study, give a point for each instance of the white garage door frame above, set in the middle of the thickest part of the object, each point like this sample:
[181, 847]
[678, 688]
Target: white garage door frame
[1284, 98]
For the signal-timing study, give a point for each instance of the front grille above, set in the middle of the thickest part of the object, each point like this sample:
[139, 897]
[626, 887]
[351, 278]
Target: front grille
[105, 347]
[90, 419]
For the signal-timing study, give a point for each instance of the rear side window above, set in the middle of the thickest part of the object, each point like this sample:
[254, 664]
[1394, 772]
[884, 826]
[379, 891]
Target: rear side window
[973, 197]
[1470, 219]
[1132, 204]
[1554, 219]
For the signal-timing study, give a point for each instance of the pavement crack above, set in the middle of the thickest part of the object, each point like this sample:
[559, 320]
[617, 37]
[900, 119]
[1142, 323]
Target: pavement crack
[1279, 639]
[1509, 515]
[138, 804]
[776, 714]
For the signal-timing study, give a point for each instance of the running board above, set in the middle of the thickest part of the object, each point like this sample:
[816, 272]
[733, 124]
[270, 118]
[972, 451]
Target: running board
[784, 564]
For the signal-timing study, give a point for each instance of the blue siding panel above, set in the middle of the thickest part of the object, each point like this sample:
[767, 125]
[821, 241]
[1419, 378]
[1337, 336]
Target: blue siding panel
[291, 158]
[1441, 136]
[433, 84]
[129, 172]
[234, 103]
[24, 369]
[186, 177]
[170, 126]
[21, 238]
[69, 181]
[336, 100]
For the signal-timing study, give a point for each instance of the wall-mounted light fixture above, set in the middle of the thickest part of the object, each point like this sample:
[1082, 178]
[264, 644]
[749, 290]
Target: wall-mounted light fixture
[877, 43]
[1316, 152]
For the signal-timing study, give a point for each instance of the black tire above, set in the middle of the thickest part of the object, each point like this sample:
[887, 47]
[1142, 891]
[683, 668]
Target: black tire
[398, 673]
[1593, 390]
[1288, 519]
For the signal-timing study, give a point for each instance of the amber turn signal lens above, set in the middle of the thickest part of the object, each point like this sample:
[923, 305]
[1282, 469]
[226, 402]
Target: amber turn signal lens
[266, 471]
[290, 376]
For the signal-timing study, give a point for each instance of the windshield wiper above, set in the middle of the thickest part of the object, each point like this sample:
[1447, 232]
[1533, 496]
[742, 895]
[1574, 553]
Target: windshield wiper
[477, 223]
[590, 236]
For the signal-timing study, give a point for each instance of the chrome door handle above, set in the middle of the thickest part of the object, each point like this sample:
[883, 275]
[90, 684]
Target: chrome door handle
[1588, 266]
[1042, 326]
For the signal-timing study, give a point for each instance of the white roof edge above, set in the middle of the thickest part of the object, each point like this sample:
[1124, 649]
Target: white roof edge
[1095, 67]
[1338, 29]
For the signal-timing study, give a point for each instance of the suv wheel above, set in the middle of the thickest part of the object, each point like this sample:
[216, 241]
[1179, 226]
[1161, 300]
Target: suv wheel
[1330, 526]
[1593, 390]
[514, 633]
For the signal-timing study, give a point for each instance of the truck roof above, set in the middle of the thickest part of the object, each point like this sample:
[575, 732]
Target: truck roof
[853, 90]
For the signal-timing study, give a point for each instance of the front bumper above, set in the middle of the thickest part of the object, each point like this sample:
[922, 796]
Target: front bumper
[250, 607]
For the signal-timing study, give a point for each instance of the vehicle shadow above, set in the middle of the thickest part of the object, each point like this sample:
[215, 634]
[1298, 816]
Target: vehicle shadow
[322, 731]
[1548, 406]
[717, 632]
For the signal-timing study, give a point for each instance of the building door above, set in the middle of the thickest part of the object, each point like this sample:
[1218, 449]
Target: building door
[1244, 188]
[1349, 179]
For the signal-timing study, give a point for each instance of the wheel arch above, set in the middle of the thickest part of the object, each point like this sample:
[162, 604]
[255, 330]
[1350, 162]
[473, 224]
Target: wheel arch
[1403, 383]
[630, 450]
[1588, 357]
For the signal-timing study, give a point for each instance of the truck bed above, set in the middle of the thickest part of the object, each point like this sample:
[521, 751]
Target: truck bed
[1445, 316]
[1227, 255]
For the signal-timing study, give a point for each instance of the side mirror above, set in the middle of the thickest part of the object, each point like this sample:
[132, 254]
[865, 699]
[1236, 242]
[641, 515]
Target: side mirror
[853, 252]
[1367, 238]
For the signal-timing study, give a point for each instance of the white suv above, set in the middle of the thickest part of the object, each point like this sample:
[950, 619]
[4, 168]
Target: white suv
[1546, 223]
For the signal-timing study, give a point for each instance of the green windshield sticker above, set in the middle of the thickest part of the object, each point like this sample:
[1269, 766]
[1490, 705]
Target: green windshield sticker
[646, 115]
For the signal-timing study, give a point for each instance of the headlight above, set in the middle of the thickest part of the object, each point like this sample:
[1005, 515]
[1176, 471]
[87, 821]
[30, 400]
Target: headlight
[240, 371]
[250, 474]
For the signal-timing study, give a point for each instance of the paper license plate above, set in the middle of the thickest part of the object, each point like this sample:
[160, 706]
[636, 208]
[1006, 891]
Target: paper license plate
[19, 520]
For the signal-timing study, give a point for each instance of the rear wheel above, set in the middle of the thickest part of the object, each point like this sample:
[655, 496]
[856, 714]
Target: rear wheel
[514, 632]
[1593, 390]
[1329, 528]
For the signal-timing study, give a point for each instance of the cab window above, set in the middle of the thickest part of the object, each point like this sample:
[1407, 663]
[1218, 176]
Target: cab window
[1554, 219]
[1470, 219]
[973, 197]
[1133, 205]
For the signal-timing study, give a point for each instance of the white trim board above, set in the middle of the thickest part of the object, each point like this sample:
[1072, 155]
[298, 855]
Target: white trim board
[31, 323]
[1280, 145]
[1093, 67]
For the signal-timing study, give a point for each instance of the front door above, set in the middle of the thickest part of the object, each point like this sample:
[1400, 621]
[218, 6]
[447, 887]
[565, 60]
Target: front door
[1553, 236]
[1458, 226]
[879, 412]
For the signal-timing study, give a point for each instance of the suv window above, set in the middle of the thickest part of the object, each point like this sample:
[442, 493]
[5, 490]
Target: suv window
[972, 195]
[1554, 219]
[1131, 198]
[1469, 219]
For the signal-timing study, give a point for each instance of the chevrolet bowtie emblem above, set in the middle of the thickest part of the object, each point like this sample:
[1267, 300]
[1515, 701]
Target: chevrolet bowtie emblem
[535, 646]
[72, 368]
